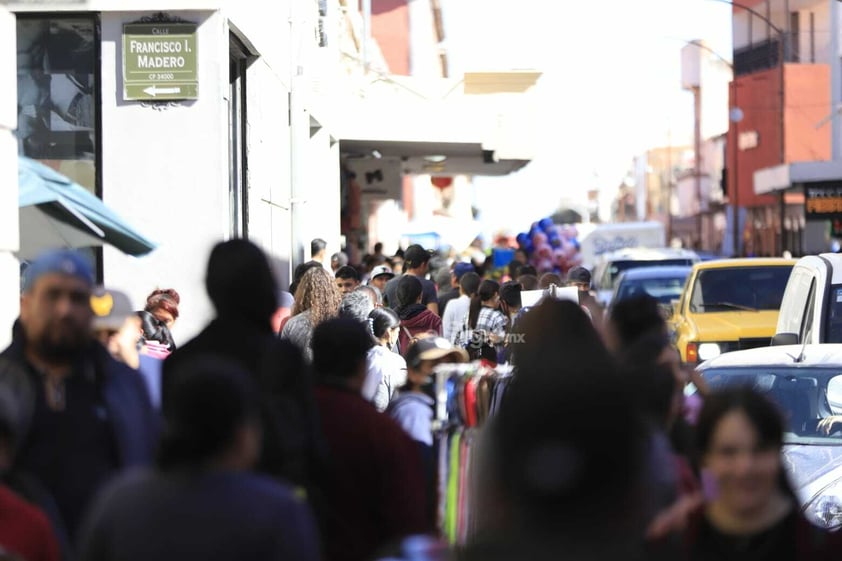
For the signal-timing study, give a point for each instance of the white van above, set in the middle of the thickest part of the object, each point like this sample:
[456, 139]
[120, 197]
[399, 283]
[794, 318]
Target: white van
[811, 309]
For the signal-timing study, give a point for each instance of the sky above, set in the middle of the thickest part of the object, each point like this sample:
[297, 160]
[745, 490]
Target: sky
[611, 86]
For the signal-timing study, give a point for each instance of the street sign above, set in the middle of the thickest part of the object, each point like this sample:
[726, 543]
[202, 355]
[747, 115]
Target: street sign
[160, 61]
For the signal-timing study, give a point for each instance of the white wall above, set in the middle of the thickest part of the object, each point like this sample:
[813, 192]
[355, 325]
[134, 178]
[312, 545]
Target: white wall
[166, 172]
[9, 267]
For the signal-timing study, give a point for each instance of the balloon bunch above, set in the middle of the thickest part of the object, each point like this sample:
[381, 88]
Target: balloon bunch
[551, 247]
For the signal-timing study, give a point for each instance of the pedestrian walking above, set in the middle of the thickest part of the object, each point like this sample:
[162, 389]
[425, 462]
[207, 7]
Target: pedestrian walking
[486, 323]
[85, 417]
[416, 264]
[415, 317]
[316, 300]
[201, 502]
[386, 371]
[374, 489]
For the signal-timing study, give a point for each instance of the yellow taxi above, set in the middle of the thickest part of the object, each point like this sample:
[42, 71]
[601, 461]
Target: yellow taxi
[729, 305]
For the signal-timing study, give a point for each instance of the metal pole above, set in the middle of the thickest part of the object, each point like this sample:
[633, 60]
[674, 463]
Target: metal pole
[735, 188]
[366, 32]
[835, 82]
[697, 148]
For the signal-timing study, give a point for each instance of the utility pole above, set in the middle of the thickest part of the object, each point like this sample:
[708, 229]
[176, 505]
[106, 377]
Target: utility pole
[697, 149]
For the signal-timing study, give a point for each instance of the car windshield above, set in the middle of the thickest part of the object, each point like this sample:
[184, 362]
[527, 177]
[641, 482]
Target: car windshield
[618, 267]
[739, 289]
[810, 399]
[665, 289]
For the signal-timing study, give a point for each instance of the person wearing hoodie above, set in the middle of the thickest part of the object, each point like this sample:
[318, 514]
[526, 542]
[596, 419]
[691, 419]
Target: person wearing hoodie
[242, 288]
[415, 317]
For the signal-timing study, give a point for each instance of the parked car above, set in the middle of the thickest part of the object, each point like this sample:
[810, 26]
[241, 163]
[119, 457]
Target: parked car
[806, 383]
[729, 305]
[665, 284]
[811, 309]
[611, 265]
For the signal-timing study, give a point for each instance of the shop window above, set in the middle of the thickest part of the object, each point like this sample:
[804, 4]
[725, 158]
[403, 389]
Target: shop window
[239, 59]
[58, 97]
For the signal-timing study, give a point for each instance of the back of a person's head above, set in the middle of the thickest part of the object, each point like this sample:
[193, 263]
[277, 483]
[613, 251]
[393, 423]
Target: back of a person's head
[514, 268]
[164, 298]
[488, 289]
[470, 283]
[316, 246]
[547, 455]
[382, 320]
[356, 305]
[528, 282]
[528, 270]
[299, 273]
[317, 294]
[340, 347]
[208, 400]
[409, 290]
[510, 294]
[240, 282]
[632, 317]
[549, 278]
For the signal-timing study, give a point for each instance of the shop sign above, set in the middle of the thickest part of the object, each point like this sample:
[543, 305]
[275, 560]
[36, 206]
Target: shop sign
[823, 200]
[748, 140]
[160, 61]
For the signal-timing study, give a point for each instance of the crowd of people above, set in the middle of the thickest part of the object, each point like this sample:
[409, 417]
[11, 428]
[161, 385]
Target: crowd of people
[298, 424]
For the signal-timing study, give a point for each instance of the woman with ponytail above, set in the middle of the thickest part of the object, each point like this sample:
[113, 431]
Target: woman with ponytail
[486, 323]
[386, 369]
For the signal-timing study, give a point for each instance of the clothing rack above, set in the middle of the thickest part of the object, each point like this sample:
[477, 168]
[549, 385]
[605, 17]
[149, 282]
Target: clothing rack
[464, 395]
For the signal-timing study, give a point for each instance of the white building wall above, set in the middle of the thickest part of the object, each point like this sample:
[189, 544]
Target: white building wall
[166, 171]
[9, 267]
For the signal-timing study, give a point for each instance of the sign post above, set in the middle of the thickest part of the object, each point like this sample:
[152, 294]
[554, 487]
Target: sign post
[160, 61]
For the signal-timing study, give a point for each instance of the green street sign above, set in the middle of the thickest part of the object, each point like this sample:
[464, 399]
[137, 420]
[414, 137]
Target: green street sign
[160, 61]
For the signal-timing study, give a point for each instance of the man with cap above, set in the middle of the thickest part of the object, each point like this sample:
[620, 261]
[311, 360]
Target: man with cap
[459, 269]
[580, 277]
[84, 416]
[416, 263]
[380, 275]
[118, 328]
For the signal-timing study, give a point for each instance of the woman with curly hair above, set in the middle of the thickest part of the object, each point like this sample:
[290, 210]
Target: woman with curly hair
[316, 299]
[163, 304]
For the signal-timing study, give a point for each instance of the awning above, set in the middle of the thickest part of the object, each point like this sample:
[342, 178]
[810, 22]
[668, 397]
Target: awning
[783, 177]
[56, 212]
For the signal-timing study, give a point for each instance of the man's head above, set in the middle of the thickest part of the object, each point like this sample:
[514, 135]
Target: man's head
[240, 283]
[427, 352]
[55, 307]
[409, 291]
[579, 277]
[373, 294]
[378, 248]
[459, 270]
[115, 324]
[317, 249]
[444, 280]
[340, 348]
[337, 261]
[347, 279]
[416, 259]
[549, 278]
[469, 284]
[380, 275]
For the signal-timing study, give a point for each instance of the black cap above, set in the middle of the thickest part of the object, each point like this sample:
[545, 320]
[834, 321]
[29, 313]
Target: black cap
[579, 275]
[415, 256]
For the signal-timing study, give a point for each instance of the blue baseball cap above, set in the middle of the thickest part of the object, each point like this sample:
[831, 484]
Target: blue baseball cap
[462, 268]
[62, 261]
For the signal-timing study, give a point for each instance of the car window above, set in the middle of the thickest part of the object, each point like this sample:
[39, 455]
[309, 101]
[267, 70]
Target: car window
[739, 289]
[809, 399]
[616, 267]
[664, 290]
[834, 315]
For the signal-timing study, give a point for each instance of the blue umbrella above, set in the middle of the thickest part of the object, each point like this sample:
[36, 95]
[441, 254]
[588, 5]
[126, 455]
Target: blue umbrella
[56, 212]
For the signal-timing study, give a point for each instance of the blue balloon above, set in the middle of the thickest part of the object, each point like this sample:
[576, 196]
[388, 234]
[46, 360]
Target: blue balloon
[529, 247]
[522, 238]
[546, 224]
[576, 244]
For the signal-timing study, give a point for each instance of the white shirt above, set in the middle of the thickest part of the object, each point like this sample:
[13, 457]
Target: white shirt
[454, 317]
[385, 373]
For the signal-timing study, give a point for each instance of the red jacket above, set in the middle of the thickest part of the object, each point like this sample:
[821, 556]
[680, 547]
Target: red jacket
[374, 488]
[25, 530]
[415, 320]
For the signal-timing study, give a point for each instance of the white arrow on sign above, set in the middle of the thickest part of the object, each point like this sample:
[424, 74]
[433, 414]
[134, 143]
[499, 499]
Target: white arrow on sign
[154, 90]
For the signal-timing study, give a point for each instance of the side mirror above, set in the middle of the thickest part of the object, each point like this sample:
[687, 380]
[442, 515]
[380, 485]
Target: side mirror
[784, 339]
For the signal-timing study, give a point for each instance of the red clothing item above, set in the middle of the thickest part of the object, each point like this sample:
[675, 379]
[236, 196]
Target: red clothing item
[25, 530]
[374, 488]
[423, 322]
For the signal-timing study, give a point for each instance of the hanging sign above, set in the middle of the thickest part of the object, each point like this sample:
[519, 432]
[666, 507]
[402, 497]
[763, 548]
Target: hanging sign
[160, 61]
[823, 200]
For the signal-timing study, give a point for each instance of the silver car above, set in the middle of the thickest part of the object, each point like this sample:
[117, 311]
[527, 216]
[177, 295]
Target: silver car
[806, 383]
